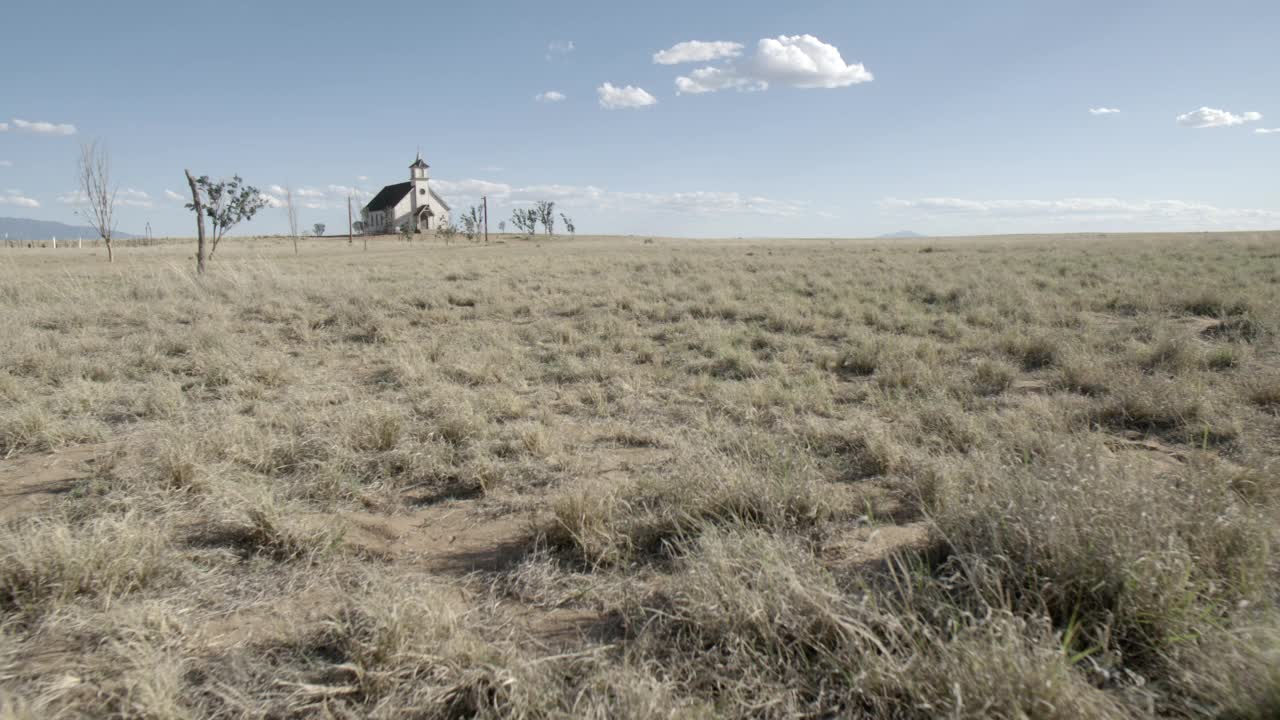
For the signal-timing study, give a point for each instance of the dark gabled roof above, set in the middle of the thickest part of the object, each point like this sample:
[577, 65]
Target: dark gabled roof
[419, 163]
[388, 196]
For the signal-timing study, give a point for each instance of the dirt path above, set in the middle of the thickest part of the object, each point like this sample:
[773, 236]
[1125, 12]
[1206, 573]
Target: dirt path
[28, 483]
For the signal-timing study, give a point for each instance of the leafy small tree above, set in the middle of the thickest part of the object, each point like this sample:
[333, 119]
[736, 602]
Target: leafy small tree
[98, 194]
[502, 226]
[472, 222]
[447, 232]
[358, 226]
[226, 203]
[406, 232]
[525, 220]
[318, 229]
[546, 214]
[568, 224]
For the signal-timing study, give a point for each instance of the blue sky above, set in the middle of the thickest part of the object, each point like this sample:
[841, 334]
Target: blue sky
[815, 118]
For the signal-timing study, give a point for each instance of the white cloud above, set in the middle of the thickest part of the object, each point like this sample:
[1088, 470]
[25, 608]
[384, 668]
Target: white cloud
[171, 195]
[362, 178]
[804, 61]
[1268, 131]
[712, 79]
[697, 51]
[17, 199]
[1103, 111]
[6, 163]
[127, 197]
[559, 48]
[133, 198]
[329, 197]
[1207, 117]
[1080, 209]
[467, 192]
[44, 128]
[4, 127]
[550, 96]
[615, 98]
[799, 61]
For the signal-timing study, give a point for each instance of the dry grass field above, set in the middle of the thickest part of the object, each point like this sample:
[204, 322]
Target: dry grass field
[615, 477]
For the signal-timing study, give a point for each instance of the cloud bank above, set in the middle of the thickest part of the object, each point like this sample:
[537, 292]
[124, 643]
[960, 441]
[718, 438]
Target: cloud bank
[1080, 209]
[317, 197]
[467, 192]
[17, 199]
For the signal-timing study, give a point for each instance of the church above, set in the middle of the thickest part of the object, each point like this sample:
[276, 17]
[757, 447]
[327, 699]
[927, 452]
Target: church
[412, 202]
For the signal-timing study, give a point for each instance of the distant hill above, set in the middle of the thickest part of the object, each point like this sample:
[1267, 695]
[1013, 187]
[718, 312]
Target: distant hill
[28, 229]
[904, 234]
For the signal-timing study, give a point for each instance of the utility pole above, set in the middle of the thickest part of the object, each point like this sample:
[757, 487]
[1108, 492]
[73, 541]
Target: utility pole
[484, 204]
[350, 239]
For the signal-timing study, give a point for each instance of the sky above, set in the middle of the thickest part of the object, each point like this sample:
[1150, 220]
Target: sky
[727, 119]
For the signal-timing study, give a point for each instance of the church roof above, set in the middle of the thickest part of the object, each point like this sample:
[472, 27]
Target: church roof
[388, 196]
[419, 163]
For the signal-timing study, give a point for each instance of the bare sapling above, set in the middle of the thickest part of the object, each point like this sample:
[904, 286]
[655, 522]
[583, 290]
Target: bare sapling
[98, 194]
[292, 210]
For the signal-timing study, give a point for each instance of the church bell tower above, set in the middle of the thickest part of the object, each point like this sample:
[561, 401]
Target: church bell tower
[419, 175]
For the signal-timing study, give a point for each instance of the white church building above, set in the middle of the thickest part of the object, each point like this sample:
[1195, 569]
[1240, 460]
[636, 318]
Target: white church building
[412, 202]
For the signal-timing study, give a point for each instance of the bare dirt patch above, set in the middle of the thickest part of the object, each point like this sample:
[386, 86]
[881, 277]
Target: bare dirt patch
[28, 483]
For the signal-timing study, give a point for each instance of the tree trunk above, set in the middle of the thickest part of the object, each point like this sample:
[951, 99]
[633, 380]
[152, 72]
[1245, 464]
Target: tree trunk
[350, 240]
[109, 258]
[195, 200]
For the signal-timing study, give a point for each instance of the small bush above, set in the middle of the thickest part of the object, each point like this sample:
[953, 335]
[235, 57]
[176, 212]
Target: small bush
[44, 564]
[1263, 390]
[1034, 352]
[1177, 410]
[1084, 375]
[1140, 560]
[992, 377]
[1214, 303]
[612, 524]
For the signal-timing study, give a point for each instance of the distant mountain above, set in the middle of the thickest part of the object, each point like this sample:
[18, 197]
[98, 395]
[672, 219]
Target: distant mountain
[28, 229]
[904, 234]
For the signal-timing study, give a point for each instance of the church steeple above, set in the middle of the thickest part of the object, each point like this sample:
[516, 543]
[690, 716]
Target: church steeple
[419, 170]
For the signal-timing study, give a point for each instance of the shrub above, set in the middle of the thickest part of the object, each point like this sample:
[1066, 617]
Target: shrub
[614, 523]
[44, 564]
[992, 377]
[1140, 561]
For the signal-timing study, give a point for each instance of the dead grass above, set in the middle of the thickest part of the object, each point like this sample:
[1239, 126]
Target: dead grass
[619, 478]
